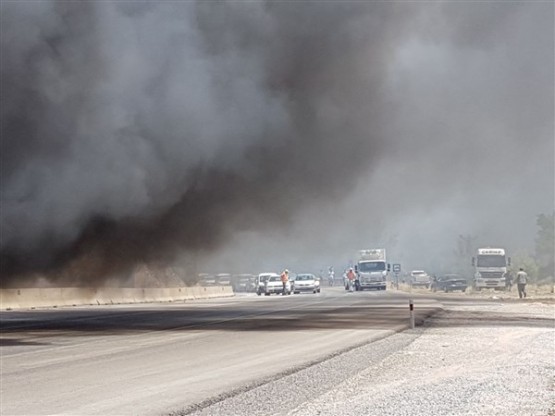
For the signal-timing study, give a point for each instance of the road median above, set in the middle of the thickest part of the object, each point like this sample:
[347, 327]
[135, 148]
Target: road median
[72, 296]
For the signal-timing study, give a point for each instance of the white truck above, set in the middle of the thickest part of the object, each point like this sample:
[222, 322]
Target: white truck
[371, 269]
[490, 268]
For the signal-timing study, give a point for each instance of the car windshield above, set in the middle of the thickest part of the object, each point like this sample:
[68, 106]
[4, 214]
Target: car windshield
[304, 277]
[264, 277]
[371, 266]
[491, 261]
[274, 279]
[418, 273]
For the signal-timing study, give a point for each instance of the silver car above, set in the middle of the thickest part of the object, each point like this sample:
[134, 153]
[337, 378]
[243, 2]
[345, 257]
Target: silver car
[306, 282]
[420, 278]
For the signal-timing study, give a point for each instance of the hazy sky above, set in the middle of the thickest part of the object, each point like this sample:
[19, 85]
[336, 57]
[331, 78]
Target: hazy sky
[266, 135]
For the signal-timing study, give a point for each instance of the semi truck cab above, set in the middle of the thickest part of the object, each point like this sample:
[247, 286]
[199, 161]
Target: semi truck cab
[490, 265]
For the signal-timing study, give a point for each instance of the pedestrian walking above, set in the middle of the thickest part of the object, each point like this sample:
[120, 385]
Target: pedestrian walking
[331, 276]
[284, 280]
[521, 281]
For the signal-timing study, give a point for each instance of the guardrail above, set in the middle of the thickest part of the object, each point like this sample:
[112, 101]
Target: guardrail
[72, 296]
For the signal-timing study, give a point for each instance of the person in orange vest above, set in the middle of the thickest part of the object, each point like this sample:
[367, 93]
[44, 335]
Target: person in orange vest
[351, 277]
[284, 280]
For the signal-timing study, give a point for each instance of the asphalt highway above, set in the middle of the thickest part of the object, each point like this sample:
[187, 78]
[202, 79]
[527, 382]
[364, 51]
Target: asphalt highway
[154, 359]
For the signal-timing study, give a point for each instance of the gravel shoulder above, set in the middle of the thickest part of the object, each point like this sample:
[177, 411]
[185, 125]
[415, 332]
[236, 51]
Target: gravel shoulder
[479, 358]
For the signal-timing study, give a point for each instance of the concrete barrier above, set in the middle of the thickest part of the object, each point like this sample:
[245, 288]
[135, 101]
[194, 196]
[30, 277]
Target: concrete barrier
[72, 296]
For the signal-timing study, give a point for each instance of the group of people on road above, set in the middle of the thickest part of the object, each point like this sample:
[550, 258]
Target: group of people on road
[521, 280]
[350, 276]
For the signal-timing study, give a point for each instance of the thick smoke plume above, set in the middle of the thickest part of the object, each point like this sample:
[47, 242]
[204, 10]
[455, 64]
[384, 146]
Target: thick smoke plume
[136, 132]
[132, 131]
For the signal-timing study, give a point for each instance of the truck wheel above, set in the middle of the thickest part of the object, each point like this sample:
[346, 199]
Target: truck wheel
[266, 294]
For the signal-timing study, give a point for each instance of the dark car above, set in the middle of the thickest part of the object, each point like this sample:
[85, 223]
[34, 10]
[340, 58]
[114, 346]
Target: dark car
[449, 282]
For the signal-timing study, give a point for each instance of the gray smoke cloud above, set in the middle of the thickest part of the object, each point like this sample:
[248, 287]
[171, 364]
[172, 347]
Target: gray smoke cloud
[269, 133]
[469, 147]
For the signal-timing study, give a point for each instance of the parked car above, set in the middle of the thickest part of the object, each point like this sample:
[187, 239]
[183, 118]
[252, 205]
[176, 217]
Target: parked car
[223, 279]
[243, 282]
[260, 282]
[206, 279]
[420, 278]
[274, 285]
[306, 282]
[449, 282]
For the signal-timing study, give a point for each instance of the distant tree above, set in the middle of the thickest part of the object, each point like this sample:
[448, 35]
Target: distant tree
[545, 246]
[527, 262]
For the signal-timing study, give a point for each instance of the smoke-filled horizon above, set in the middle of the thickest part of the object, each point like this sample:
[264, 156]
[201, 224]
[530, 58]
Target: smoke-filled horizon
[269, 133]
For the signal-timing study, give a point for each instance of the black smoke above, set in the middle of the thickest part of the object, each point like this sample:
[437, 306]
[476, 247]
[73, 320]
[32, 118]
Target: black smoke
[136, 131]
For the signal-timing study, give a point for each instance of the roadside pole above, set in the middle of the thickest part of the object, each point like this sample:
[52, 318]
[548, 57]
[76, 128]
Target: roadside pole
[411, 313]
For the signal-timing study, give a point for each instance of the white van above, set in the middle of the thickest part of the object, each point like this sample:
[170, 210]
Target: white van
[260, 283]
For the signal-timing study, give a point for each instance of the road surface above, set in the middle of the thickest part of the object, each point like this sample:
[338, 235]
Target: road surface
[156, 359]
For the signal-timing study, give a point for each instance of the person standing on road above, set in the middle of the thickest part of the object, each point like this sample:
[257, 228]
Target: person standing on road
[521, 280]
[284, 280]
[351, 276]
[331, 276]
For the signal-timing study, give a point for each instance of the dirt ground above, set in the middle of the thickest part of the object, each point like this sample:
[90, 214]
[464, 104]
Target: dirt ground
[543, 293]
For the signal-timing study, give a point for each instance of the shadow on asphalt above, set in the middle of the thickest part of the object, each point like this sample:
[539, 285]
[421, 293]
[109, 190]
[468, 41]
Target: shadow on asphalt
[205, 318]
[229, 318]
[15, 342]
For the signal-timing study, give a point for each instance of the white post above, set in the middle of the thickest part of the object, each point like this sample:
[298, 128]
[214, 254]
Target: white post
[411, 309]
